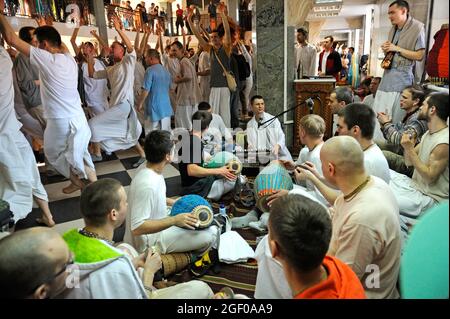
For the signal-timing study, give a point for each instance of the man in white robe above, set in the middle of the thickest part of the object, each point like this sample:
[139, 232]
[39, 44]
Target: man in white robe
[20, 182]
[117, 128]
[67, 134]
[266, 137]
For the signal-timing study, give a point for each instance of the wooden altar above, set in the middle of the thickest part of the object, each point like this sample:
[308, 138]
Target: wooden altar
[309, 88]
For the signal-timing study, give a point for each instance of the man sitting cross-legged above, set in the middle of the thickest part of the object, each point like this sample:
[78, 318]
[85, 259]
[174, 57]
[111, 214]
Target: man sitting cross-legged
[312, 129]
[429, 183]
[106, 272]
[149, 225]
[210, 183]
[365, 226]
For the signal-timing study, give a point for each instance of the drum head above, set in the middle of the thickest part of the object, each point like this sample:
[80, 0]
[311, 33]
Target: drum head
[235, 166]
[204, 215]
[261, 203]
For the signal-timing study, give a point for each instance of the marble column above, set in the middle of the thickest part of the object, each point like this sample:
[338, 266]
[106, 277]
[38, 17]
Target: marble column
[270, 59]
[273, 49]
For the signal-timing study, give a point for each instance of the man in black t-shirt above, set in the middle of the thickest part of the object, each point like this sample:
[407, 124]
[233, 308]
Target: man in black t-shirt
[211, 183]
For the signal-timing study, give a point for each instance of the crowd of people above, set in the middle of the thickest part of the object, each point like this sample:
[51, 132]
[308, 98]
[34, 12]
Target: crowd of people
[326, 237]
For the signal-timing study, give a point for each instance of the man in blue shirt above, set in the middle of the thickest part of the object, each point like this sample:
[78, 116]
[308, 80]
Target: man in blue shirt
[155, 94]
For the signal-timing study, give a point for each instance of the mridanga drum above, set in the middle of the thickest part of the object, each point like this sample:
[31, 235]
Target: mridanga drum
[228, 159]
[196, 205]
[272, 178]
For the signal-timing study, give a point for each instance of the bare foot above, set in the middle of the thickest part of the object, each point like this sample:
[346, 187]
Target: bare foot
[46, 221]
[70, 189]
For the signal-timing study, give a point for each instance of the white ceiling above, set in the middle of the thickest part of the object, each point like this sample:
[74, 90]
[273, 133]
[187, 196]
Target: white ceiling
[350, 8]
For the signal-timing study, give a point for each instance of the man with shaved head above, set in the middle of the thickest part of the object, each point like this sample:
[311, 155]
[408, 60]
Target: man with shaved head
[33, 264]
[365, 235]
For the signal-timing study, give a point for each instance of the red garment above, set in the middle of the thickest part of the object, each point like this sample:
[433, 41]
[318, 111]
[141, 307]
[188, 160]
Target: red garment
[437, 63]
[341, 283]
[179, 12]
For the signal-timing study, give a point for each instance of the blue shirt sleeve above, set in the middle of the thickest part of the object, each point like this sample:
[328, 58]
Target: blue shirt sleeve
[148, 80]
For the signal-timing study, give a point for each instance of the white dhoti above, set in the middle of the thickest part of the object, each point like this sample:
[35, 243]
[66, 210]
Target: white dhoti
[194, 289]
[219, 99]
[117, 128]
[270, 280]
[389, 103]
[176, 240]
[314, 194]
[412, 203]
[219, 188]
[183, 116]
[19, 175]
[66, 145]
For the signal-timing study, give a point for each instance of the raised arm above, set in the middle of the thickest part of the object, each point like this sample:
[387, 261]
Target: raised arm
[118, 26]
[73, 41]
[10, 36]
[145, 40]
[227, 44]
[101, 42]
[137, 45]
[206, 46]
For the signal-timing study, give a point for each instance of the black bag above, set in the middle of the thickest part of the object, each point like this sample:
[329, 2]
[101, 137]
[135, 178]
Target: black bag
[243, 67]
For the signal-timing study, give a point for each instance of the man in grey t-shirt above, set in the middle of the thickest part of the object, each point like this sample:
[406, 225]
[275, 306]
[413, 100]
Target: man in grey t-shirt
[407, 41]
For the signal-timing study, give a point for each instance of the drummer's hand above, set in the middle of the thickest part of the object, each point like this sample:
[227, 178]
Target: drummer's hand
[302, 174]
[274, 196]
[139, 261]
[186, 220]
[312, 168]
[289, 165]
[226, 173]
[153, 262]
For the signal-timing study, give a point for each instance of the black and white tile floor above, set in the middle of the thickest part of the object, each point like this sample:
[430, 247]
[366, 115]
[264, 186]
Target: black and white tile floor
[66, 207]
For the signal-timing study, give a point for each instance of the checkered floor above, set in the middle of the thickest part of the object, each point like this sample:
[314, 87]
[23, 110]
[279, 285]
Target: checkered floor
[66, 207]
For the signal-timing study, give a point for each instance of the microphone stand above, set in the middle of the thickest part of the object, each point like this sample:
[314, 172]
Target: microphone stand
[308, 102]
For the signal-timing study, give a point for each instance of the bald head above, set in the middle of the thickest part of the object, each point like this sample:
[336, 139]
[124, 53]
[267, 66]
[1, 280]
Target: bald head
[28, 259]
[345, 153]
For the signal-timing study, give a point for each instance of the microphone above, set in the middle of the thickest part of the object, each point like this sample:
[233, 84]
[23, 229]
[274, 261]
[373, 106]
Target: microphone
[308, 102]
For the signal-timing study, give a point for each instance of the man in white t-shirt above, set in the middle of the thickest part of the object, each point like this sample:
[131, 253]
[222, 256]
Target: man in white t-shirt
[149, 224]
[117, 128]
[114, 272]
[312, 129]
[67, 134]
[356, 120]
[365, 227]
[216, 132]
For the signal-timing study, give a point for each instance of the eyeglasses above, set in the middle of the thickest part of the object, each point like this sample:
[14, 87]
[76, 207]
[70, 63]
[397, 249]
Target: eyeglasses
[49, 279]
[70, 262]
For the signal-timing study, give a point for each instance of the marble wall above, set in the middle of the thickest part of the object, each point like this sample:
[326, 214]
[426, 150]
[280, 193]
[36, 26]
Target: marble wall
[270, 60]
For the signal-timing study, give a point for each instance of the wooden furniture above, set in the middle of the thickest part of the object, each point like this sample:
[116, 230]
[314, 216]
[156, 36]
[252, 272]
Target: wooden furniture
[310, 88]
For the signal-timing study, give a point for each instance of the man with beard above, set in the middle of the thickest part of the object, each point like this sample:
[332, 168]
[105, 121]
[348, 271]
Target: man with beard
[429, 183]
